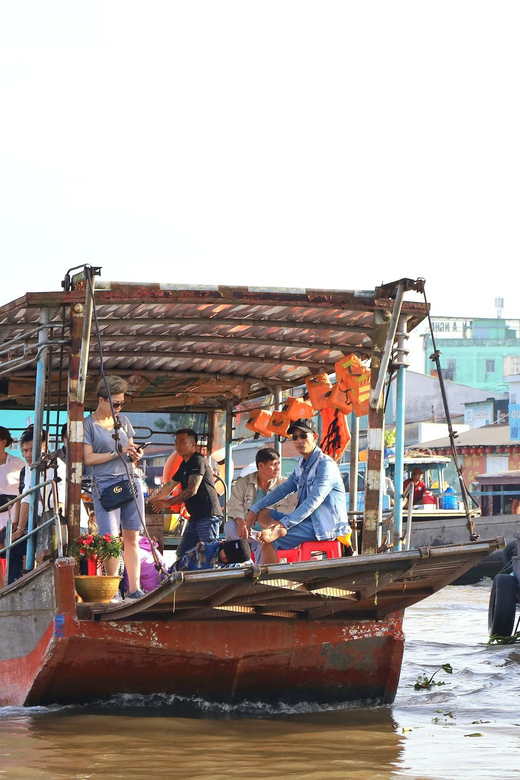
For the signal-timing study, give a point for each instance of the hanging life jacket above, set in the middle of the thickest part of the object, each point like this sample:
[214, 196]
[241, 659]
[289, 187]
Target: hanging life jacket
[354, 376]
[279, 424]
[336, 434]
[340, 399]
[258, 421]
[319, 388]
[297, 408]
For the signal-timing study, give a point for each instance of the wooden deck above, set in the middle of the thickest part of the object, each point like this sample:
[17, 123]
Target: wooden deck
[358, 587]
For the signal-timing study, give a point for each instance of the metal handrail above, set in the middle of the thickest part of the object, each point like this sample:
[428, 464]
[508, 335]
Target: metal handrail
[25, 347]
[54, 519]
[389, 520]
[408, 538]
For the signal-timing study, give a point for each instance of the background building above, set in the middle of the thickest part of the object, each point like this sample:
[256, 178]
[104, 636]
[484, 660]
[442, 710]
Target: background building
[473, 351]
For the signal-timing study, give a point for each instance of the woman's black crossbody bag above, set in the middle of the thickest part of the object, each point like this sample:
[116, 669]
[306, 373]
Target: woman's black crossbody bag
[118, 495]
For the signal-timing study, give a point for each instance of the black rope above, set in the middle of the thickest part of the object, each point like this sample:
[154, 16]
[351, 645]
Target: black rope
[117, 424]
[60, 376]
[435, 357]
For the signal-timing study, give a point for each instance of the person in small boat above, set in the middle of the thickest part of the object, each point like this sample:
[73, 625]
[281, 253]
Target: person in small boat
[110, 463]
[215, 555]
[321, 511]
[250, 488]
[198, 493]
[419, 486]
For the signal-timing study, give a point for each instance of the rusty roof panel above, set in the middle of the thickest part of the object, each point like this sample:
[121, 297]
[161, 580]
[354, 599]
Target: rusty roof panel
[186, 346]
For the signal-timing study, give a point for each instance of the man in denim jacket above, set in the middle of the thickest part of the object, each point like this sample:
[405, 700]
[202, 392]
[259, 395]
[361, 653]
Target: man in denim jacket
[321, 512]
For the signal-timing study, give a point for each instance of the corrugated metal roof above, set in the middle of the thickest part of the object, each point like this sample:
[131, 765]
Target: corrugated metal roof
[187, 347]
[498, 477]
[486, 436]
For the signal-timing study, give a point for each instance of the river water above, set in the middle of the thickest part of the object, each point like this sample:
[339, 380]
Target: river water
[467, 728]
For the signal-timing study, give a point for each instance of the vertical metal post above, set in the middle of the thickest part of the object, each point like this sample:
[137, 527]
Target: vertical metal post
[354, 467]
[399, 432]
[409, 520]
[39, 402]
[377, 391]
[8, 540]
[278, 406]
[375, 443]
[229, 441]
[81, 321]
[212, 416]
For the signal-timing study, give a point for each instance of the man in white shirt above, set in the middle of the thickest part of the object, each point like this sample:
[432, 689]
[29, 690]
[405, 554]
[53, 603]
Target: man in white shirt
[23, 506]
[251, 488]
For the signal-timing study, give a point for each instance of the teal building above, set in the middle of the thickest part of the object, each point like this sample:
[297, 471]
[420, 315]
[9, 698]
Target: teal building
[473, 351]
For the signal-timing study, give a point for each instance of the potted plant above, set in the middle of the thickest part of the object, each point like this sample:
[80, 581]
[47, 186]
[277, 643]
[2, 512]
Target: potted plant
[97, 549]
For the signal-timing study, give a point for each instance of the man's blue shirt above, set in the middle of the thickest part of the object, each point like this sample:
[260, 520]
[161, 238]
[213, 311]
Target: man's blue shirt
[321, 496]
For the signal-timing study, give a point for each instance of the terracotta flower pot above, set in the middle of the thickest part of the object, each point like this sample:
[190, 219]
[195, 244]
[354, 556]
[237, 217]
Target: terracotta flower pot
[96, 588]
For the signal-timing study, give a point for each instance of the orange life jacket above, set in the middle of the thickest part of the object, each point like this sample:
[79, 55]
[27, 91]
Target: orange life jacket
[336, 434]
[279, 424]
[171, 466]
[355, 377]
[296, 408]
[258, 421]
[361, 406]
[340, 399]
[319, 388]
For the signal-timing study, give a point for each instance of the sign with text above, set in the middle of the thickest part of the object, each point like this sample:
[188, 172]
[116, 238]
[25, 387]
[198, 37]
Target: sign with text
[514, 422]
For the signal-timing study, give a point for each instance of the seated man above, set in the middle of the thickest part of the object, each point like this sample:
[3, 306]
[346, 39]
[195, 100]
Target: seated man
[214, 555]
[419, 486]
[321, 511]
[251, 488]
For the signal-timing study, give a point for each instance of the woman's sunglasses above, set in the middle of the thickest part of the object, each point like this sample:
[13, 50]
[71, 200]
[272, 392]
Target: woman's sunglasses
[118, 404]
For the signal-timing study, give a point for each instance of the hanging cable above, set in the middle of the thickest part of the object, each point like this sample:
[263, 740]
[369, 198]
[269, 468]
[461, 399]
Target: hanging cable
[466, 495]
[117, 426]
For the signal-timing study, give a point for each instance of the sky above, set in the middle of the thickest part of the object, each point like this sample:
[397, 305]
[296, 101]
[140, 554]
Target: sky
[281, 143]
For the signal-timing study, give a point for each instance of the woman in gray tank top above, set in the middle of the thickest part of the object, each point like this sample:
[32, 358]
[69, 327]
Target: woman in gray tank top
[109, 466]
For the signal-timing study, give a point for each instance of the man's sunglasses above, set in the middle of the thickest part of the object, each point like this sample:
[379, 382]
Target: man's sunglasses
[118, 404]
[296, 436]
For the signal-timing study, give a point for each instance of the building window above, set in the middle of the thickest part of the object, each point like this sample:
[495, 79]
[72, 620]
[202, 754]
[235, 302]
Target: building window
[490, 366]
[450, 370]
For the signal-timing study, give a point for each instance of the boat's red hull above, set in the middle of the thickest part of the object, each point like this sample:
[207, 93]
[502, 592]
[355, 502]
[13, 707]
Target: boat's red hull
[264, 659]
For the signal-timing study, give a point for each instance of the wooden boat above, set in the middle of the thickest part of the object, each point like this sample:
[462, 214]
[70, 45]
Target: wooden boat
[327, 631]
[323, 632]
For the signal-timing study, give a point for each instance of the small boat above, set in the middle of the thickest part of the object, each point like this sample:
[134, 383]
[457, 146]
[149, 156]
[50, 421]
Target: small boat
[442, 519]
[320, 630]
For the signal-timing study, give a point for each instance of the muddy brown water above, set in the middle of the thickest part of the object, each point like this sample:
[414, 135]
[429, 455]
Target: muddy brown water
[467, 728]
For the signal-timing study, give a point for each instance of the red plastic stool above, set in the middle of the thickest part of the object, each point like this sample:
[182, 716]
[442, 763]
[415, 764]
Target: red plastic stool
[318, 551]
[289, 556]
